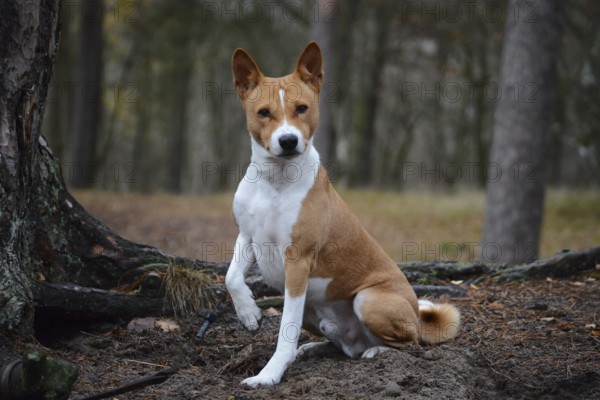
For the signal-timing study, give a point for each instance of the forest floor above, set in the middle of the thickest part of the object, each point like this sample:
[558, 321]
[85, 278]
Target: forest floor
[522, 340]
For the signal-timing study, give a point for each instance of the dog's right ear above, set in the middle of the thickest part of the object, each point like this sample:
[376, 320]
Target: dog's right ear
[246, 75]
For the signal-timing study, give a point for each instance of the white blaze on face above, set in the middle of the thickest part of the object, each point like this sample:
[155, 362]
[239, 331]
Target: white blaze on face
[282, 100]
[285, 129]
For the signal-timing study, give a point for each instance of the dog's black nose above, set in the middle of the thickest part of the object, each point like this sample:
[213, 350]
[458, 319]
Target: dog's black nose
[288, 142]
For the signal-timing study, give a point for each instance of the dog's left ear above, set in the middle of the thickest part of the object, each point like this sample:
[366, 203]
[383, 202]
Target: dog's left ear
[310, 66]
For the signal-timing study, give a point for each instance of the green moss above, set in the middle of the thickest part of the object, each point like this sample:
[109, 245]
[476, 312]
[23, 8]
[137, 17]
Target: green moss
[43, 377]
[423, 280]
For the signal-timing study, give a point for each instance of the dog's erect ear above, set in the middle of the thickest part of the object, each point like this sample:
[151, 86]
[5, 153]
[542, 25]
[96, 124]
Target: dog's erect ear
[246, 74]
[310, 66]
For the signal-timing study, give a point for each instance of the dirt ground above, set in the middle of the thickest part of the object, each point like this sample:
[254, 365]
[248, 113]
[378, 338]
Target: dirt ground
[532, 340]
[535, 340]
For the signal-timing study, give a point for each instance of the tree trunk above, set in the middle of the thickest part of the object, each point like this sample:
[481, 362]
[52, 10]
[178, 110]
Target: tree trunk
[45, 235]
[323, 32]
[59, 110]
[178, 145]
[523, 119]
[364, 157]
[28, 41]
[88, 98]
[143, 107]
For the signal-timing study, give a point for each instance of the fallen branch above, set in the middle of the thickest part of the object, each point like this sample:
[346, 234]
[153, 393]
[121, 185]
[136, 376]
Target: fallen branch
[566, 263]
[78, 302]
[141, 383]
[439, 290]
[70, 300]
[443, 270]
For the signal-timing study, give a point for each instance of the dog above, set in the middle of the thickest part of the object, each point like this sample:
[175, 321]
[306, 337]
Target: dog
[336, 280]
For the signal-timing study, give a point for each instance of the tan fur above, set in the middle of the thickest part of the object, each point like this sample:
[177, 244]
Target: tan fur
[439, 324]
[328, 240]
[258, 91]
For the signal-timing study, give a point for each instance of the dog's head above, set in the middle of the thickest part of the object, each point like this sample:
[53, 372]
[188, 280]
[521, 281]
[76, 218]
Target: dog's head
[282, 113]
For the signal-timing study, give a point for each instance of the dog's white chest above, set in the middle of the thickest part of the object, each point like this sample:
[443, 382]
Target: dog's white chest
[267, 210]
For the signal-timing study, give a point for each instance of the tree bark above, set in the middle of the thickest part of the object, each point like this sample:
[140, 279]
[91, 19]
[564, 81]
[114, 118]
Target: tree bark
[28, 42]
[45, 235]
[72, 302]
[59, 110]
[523, 119]
[88, 98]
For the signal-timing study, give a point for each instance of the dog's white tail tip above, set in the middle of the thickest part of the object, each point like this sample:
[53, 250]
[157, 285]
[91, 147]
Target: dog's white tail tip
[425, 305]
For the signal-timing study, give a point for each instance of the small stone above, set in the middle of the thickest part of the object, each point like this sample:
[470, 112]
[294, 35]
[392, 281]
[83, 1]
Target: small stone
[536, 305]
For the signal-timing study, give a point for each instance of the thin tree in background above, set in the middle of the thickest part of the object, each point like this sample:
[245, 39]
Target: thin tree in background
[178, 137]
[363, 154]
[325, 19]
[522, 124]
[88, 99]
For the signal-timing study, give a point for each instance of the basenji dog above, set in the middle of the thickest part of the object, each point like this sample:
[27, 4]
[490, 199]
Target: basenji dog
[336, 280]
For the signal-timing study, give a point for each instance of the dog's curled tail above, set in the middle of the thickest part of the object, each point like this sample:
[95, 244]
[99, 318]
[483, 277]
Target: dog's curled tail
[438, 322]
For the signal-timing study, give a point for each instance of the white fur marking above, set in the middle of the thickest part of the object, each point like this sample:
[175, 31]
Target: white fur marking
[287, 343]
[425, 305]
[245, 306]
[266, 210]
[359, 299]
[285, 129]
[281, 99]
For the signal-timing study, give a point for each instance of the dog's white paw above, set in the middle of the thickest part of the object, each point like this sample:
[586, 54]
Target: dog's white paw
[316, 349]
[308, 348]
[249, 314]
[260, 379]
[373, 351]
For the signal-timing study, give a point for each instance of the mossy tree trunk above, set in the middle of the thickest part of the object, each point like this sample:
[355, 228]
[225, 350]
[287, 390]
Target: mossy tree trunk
[45, 235]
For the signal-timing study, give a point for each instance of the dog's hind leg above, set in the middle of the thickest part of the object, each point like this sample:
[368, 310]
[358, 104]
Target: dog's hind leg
[388, 316]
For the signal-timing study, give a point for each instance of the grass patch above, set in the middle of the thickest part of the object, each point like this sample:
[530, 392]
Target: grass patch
[571, 220]
[427, 226]
[189, 290]
[410, 226]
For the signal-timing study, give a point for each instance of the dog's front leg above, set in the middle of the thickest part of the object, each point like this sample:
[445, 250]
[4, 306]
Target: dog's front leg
[296, 282]
[245, 306]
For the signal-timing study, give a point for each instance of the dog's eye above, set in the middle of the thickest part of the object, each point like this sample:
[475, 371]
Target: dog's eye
[264, 113]
[301, 109]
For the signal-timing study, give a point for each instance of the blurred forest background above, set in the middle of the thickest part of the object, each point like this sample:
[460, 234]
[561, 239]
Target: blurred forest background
[142, 97]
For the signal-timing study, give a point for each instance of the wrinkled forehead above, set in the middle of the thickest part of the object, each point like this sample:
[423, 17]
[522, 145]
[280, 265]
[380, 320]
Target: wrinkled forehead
[294, 91]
